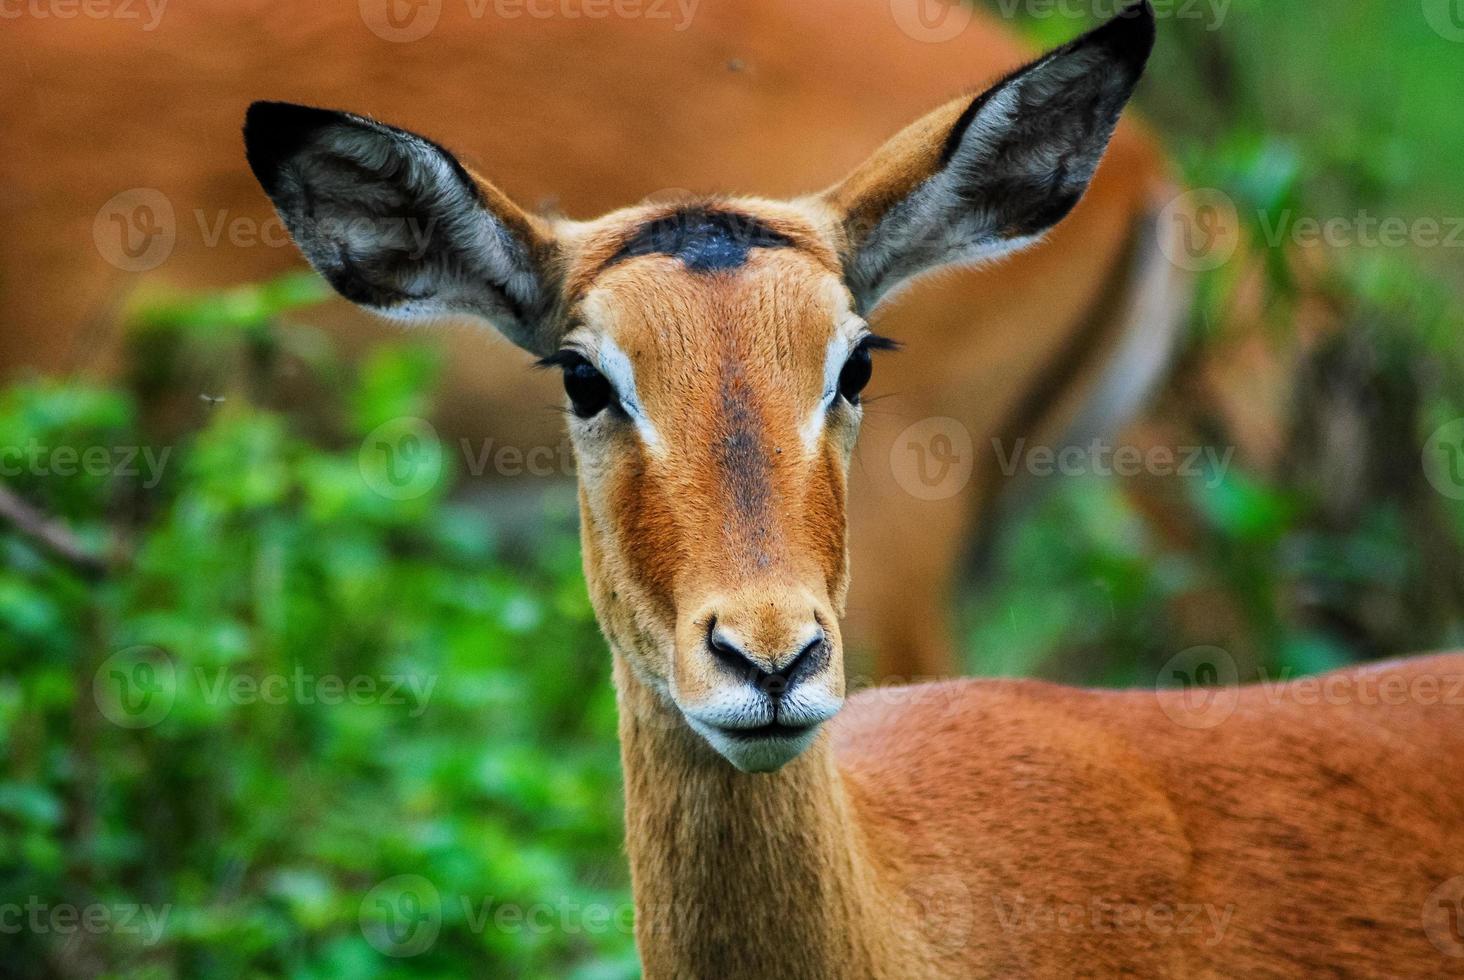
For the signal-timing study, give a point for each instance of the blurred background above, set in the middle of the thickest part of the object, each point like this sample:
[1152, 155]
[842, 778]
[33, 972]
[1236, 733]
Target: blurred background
[273, 704]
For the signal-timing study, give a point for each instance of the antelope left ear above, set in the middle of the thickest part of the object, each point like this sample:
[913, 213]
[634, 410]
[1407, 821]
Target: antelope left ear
[977, 178]
[397, 225]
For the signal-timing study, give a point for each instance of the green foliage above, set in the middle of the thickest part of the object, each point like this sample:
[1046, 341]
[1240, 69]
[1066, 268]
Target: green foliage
[1344, 551]
[352, 688]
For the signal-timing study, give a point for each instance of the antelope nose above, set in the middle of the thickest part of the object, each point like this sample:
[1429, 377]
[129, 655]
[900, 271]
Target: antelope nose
[772, 671]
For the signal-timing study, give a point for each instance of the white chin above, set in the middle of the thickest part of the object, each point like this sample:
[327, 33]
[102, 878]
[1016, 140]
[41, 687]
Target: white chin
[754, 752]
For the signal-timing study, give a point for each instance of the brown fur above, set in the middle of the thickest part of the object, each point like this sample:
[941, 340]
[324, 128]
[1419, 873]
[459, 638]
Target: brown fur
[771, 97]
[942, 830]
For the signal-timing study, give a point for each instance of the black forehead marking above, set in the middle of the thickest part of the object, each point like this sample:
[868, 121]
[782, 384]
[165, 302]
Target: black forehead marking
[704, 240]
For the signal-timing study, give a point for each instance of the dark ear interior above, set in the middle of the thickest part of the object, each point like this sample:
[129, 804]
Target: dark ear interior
[1013, 163]
[396, 224]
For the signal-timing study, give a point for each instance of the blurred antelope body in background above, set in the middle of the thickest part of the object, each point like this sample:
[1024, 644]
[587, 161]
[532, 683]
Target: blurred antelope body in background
[579, 115]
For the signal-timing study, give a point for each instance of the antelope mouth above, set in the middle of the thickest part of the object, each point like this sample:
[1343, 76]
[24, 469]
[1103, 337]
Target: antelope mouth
[772, 730]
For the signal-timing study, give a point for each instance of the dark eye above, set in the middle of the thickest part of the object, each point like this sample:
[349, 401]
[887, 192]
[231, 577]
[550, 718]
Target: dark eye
[855, 374]
[589, 392]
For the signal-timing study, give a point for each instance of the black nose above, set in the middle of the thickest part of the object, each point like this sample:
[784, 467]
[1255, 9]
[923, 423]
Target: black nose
[774, 682]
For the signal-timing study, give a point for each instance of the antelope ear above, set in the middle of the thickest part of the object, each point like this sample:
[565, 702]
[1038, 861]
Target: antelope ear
[397, 225]
[977, 178]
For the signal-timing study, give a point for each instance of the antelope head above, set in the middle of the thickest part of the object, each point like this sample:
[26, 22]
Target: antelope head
[714, 351]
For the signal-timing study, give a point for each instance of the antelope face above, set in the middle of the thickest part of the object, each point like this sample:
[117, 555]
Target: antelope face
[713, 365]
[713, 353]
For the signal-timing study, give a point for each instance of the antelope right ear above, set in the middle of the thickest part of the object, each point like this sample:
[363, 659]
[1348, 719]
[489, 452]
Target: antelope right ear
[981, 177]
[399, 226]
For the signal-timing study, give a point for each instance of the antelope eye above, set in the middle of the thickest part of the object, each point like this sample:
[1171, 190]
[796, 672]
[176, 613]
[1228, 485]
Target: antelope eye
[855, 374]
[589, 392]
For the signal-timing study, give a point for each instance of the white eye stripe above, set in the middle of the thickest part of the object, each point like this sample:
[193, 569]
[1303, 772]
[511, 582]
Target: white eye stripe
[617, 369]
[847, 335]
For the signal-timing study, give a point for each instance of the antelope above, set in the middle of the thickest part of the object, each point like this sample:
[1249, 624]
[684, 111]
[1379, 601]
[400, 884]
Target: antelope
[714, 354]
[584, 115]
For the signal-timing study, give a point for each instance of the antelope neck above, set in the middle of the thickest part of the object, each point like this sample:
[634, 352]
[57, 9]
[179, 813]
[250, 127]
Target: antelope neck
[737, 874]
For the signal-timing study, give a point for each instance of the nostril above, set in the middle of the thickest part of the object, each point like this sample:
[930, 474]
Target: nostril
[731, 655]
[810, 660]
